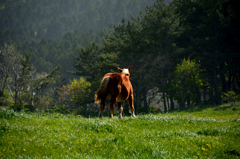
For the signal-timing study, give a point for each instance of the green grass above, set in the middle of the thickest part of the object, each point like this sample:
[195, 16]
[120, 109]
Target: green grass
[213, 132]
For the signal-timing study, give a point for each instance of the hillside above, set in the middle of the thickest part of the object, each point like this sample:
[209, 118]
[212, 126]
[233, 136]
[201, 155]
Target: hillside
[213, 132]
[34, 19]
[53, 31]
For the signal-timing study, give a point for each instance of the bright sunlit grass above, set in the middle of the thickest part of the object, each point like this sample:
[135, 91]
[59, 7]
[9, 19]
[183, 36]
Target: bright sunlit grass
[209, 133]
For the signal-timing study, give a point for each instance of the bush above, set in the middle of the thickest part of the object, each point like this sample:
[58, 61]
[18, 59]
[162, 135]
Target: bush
[29, 108]
[231, 97]
[62, 110]
[20, 107]
[17, 107]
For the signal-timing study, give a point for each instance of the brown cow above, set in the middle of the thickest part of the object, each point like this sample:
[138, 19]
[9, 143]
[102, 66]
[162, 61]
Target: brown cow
[118, 88]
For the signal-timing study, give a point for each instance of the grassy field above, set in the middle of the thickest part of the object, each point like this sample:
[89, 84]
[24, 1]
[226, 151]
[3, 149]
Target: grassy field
[212, 132]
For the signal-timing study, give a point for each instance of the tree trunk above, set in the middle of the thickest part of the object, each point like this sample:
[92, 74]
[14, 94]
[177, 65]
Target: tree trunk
[163, 92]
[238, 77]
[198, 100]
[145, 100]
[172, 103]
[218, 98]
[16, 90]
[204, 95]
[211, 97]
[229, 80]
[233, 83]
[137, 100]
[144, 94]
[188, 102]
[223, 80]
[168, 107]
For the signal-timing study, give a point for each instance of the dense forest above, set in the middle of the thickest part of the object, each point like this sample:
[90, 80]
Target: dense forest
[52, 31]
[184, 53]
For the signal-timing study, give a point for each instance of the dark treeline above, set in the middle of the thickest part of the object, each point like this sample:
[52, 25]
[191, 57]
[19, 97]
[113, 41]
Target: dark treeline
[184, 53]
[52, 19]
[52, 31]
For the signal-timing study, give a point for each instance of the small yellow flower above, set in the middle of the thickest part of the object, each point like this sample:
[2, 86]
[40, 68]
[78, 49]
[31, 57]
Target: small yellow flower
[78, 142]
[182, 140]
[86, 157]
[43, 157]
[24, 149]
[90, 134]
[110, 124]
[208, 145]
[3, 149]
[204, 149]
[129, 142]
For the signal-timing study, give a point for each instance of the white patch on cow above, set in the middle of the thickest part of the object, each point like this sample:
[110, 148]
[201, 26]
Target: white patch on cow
[125, 71]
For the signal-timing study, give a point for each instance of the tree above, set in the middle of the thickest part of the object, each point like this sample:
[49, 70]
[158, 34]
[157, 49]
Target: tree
[9, 66]
[160, 27]
[209, 39]
[89, 61]
[187, 82]
[80, 91]
[77, 93]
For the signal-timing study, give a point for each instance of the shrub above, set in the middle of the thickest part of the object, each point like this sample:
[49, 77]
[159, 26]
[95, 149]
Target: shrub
[231, 97]
[17, 107]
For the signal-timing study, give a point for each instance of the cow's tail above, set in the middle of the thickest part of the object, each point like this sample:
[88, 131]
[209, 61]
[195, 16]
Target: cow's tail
[102, 91]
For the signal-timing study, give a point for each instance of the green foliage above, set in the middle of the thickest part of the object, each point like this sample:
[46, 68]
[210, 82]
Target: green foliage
[17, 107]
[61, 109]
[79, 88]
[24, 108]
[201, 134]
[231, 97]
[6, 99]
[89, 62]
[76, 94]
[187, 81]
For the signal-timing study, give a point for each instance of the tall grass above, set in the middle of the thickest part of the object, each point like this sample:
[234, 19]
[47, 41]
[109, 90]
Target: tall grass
[209, 133]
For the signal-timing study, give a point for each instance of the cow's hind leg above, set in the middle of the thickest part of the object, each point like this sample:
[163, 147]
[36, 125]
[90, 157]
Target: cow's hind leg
[112, 103]
[131, 106]
[120, 109]
[115, 91]
[102, 106]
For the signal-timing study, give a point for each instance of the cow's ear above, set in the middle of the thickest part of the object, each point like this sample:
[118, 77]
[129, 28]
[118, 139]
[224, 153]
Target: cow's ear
[129, 68]
[119, 69]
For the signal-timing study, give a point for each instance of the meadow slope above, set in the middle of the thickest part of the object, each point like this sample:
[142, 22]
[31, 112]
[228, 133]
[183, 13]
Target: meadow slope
[213, 132]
